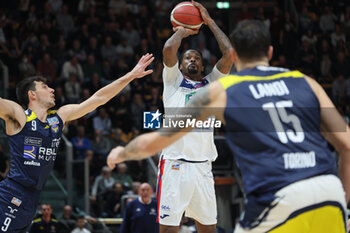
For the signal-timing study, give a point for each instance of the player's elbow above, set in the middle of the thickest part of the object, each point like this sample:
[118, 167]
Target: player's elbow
[227, 55]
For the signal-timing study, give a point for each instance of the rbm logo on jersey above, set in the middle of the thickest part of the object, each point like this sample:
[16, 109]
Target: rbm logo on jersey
[30, 152]
[151, 120]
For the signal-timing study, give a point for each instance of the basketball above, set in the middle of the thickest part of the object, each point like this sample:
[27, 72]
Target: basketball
[185, 14]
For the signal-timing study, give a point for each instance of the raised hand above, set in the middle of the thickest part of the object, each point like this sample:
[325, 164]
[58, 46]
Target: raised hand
[139, 70]
[114, 157]
[204, 13]
[186, 31]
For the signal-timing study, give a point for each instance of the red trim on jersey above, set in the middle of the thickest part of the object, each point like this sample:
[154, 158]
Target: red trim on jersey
[159, 185]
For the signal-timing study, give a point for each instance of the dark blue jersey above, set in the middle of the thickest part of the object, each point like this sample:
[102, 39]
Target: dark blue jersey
[273, 127]
[140, 218]
[34, 150]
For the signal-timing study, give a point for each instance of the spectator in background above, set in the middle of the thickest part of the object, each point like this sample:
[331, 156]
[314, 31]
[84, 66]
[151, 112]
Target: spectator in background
[25, 67]
[67, 223]
[305, 20]
[325, 56]
[72, 89]
[46, 68]
[124, 50]
[116, 138]
[131, 35]
[109, 51]
[60, 99]
[95, 83]
[122, 177]
[117, 6]
[81, 143]
[102, 185]
[339, 89]
[84, 36]
[288, 37]
[46, 223]
[140, 214]
[244, 13]
[65, 21]
[84, 6]
[55, 6]
[137, 108]
[60, 55]
[102, 122]
[327, 20]
[90, 68]
[311, 38]
[112, 206]
[77, 51]
[135, 188]
[341, 66]
[261, 16]
[337, 35]
[100, 145]
[306, 57]
[72, 66]
[93, 49]
[80, 223]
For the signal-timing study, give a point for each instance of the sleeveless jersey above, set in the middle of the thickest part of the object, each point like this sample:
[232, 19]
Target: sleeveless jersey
[34, 149]
[273, 128]
[194, 146]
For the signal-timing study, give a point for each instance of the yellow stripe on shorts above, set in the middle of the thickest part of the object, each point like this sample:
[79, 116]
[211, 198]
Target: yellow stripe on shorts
[326, 219]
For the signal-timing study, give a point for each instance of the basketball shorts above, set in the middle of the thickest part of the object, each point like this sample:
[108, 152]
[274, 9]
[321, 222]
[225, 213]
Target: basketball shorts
[17, 207]
[313, 205]
[185, 187]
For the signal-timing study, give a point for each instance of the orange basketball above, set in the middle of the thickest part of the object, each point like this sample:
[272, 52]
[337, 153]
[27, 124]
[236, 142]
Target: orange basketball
[187, 15]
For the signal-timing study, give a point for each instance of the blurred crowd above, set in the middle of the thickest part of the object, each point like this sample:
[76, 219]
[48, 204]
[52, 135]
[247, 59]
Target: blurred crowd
[80, 46]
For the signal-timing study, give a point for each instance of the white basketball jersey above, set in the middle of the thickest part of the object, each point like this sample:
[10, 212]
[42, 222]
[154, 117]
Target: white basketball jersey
[194, 146]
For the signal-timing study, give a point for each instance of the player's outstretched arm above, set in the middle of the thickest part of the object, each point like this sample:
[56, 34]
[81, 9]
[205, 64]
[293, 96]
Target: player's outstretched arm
[74, 111]
[13, 115]
[225, 62]
[172, 45]
[146, 145]
[336, 131]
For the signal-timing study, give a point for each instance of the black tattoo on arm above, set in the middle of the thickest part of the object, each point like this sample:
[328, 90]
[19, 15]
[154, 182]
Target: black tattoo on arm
[171, 47]
[224, 45]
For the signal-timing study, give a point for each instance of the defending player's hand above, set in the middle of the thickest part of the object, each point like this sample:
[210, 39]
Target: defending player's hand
[204, 13]
[139, 70]
[186, 31]
[114, 158]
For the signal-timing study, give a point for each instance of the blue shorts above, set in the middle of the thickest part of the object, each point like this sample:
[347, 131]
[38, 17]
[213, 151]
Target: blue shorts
[17, 206]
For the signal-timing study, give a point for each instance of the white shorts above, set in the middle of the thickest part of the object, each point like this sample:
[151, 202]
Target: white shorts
[185, 187]
[314, 205]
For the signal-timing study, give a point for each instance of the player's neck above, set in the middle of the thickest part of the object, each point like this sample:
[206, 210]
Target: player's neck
[248, 65]
[39, 111]
[196, 78]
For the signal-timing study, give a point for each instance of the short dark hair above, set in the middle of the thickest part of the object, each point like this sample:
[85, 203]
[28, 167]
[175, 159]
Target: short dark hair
[182, 55]
[251, 40]
[26, 85]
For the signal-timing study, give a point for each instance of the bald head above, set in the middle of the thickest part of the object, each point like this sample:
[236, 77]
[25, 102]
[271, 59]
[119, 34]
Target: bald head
[145, 192]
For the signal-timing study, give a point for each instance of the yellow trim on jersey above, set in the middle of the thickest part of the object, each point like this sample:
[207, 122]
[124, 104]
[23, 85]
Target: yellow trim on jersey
[37, 220]
[46, 127]
[51, 112]
[231, 80]
[31, 117]
[323, 219]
